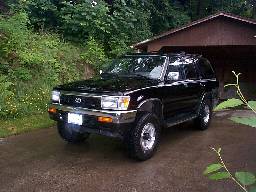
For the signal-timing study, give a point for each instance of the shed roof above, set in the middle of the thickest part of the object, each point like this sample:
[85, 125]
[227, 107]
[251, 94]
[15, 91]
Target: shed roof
[211, 17]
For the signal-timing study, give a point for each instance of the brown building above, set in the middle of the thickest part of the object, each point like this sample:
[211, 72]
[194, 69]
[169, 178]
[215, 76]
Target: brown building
[228, 41]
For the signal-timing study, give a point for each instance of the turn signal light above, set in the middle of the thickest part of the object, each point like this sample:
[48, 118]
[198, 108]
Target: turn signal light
[105, 119]
[52, 110]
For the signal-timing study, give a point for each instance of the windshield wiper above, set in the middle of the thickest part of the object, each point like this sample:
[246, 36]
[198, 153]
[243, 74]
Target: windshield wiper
[108, 74]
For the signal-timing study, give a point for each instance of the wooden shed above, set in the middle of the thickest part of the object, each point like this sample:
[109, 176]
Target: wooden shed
[227, 40]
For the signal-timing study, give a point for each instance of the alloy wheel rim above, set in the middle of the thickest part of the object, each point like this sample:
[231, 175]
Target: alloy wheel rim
[206, 114]
[148, 137]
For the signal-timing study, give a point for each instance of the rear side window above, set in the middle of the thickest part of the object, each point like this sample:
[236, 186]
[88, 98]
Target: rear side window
[190, 71]
[173, 73]
[205, 69]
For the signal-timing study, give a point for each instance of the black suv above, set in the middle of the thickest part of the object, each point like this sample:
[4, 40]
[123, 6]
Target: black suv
[135, 97]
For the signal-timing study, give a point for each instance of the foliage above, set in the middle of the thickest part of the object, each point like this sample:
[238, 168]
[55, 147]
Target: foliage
[81, 20]
[250, 121]
[94, 54]
[31, 64]
[231, 103]
[5, 93]
[114, 27]
[198, 9]
[215, 171]
[118, 24]
[166, 15]
[219, 171]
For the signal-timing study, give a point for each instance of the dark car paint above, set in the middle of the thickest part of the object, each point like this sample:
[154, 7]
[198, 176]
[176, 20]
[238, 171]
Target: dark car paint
[111, 85]
[167, 99]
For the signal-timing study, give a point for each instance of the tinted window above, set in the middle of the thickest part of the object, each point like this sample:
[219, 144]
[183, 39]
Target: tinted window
[190, 71]
[173, 72]
[205, 69]
[147, 66]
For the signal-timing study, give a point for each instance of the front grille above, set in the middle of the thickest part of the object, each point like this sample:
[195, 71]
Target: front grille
[81, 101]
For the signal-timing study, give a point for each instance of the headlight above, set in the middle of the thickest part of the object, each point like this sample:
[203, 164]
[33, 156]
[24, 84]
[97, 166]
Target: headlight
[55, 96]
[115, 102]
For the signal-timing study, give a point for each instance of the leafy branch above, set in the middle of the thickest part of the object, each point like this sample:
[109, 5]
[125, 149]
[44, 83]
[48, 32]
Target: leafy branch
[242, 179]
[239, 92]
[213, 171]
[231, 103]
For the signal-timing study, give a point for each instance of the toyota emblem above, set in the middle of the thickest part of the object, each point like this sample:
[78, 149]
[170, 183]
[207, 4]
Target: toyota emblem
[78, 100]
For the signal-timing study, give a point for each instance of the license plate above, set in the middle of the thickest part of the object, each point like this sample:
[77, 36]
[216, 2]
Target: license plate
[75, 118]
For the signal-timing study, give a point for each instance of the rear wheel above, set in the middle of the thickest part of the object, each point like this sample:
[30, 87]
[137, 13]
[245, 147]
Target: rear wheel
[142, 141]
[68, 133]
[203, 120]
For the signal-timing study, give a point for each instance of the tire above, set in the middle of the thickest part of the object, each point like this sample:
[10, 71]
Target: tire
[142, 140]
[67, 133]
[203, 120]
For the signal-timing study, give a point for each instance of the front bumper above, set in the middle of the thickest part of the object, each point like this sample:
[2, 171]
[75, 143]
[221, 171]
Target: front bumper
[122, 120]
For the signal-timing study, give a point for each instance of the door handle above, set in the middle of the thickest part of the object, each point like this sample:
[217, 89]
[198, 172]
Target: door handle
[203, 85]
[185, 84]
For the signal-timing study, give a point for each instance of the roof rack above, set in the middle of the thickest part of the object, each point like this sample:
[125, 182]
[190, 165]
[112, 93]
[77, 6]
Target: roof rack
[164, 54]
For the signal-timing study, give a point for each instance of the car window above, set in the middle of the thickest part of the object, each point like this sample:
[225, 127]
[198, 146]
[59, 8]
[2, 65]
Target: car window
[173, 73]
[205, 69]
[190, 71]
[147, 66]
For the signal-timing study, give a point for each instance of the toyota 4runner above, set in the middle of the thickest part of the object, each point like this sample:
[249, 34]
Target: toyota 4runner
[135, 97]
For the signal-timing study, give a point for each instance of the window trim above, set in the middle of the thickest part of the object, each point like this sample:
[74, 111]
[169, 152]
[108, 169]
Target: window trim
[179, 70]
[196, 71]
[200, 69]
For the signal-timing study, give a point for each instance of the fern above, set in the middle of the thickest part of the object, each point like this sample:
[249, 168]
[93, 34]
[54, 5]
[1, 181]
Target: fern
[230, 103]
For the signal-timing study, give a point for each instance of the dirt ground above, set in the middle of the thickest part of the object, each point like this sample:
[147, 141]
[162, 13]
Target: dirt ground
[41, 161]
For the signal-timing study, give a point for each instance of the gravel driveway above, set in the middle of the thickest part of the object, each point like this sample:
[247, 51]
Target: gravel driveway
[41, 161]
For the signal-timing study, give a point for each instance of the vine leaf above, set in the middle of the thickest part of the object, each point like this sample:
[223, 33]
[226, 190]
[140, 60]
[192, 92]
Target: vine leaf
[230, 103]
[245, 178]
[252, 104]
[219, 176]
[250, 121]
[212, 168]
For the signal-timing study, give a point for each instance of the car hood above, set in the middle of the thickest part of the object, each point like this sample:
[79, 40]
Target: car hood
[114, 84]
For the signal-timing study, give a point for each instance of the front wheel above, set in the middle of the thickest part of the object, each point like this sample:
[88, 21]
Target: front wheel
[142, 141]
[203, 120]
[68, 133]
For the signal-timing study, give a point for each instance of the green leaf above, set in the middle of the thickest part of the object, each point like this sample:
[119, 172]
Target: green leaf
[250, 121]
[211, 168]
[252, 104]
[252, 189]
[219, 176]
[245, 178]
[230, 103]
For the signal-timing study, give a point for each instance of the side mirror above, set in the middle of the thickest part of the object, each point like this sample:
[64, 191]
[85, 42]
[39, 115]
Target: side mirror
[173, 76]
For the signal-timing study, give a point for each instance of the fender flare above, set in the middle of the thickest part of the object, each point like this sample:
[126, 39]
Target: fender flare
[152, 105]
[206, 95]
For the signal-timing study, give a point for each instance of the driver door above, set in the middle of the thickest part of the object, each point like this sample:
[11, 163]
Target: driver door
[174, 93]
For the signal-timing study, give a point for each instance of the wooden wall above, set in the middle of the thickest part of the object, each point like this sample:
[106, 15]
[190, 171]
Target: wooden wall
[216, 32]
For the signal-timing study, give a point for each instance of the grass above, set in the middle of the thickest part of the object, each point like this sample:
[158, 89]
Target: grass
[25, 124]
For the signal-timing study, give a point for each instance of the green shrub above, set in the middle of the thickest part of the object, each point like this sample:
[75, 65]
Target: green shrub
[94, 54]
[31, 64]
[5, 94]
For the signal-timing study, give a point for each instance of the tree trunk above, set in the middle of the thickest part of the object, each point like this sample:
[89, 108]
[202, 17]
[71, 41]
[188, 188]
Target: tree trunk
[88, 71]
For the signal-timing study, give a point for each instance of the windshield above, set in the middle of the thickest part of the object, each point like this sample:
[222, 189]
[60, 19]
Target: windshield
[146, 66]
